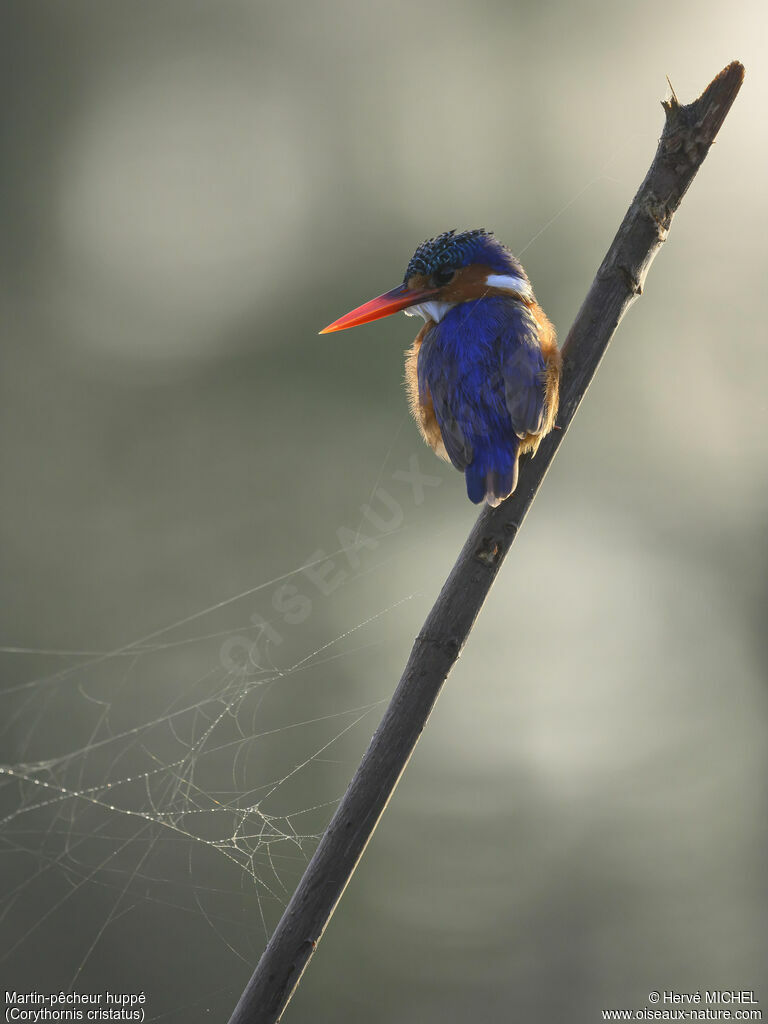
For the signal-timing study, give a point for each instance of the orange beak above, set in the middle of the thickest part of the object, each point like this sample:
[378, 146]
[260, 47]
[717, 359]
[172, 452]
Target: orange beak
[383, 305]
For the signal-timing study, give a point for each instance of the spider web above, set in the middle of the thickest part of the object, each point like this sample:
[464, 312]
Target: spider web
[209, 770]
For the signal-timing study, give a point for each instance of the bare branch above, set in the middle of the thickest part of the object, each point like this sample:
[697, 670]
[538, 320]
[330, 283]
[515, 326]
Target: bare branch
[688, 133]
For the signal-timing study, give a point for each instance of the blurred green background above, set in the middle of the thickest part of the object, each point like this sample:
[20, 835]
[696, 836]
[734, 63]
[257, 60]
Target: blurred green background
[190, 192]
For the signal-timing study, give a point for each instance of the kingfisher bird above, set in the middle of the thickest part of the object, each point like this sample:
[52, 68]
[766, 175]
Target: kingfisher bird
[483, 375]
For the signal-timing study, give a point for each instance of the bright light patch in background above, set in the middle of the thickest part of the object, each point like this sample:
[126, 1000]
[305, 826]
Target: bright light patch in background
[177, 193]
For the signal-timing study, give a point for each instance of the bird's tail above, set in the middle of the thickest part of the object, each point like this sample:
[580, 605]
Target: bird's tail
[492, 476]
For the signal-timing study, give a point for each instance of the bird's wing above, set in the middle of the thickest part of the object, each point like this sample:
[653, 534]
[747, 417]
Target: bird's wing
[484, 374]
[440, 380]
[522, 371]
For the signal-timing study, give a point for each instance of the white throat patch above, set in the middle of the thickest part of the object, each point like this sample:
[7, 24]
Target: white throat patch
[433, 310]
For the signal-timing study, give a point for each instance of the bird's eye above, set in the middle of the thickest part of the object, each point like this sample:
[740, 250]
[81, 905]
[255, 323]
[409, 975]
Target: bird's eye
[443, 276]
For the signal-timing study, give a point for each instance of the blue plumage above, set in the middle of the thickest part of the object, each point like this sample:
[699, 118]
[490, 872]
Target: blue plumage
[483, 369]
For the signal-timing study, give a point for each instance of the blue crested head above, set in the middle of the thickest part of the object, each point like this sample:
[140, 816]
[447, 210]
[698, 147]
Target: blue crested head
[453, 250]
[445, 271]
